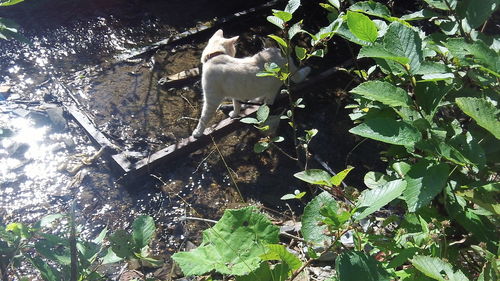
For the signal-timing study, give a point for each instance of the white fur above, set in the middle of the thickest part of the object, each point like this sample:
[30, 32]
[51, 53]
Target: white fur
[225, 76]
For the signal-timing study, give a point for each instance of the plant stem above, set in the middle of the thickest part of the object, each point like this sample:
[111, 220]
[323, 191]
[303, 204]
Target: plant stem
[284, 152]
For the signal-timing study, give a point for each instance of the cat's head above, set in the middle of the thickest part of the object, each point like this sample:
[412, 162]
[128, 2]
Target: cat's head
[217, 43]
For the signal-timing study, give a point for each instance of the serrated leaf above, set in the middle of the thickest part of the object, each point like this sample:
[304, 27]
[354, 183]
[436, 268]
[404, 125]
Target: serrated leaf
[362, 26]
[276, 21]
[338, 178]
[383, 92]
[356, 266]
[371, 8]
[279, 252]
[311, 229]
[300, 52]
[292, 6]
[420, 15]
[375, 179]
[404, 42]
[435, 268]
[476, 14]
[232, 246]
[429, 96]
[54, 252]
[378, 51]
[483, 112]
[314, 176]
[424, 181]
[279, 40]
[388, 130]
[279, 272]
[143, 229]
[344, 32]
[371, 200]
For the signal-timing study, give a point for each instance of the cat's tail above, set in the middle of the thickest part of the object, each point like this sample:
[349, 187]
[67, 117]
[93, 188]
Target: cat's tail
[301, 74]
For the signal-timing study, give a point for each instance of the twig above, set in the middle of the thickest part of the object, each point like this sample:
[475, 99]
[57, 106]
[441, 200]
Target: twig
[198, 219]
[286, 234]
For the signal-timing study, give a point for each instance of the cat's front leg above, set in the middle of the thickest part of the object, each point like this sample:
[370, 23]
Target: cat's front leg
[236, 109]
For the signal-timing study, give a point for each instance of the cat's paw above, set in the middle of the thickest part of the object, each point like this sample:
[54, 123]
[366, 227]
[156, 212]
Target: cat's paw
[197, 133]
[233, 114]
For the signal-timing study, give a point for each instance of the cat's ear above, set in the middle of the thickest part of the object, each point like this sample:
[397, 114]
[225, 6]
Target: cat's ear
[219, 33]
[233, 40]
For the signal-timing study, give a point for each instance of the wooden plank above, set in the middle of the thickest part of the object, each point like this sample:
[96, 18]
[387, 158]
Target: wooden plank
[186, 146]
[118, 161]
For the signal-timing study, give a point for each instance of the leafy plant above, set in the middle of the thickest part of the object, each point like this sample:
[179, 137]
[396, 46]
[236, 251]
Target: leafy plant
[8, 28]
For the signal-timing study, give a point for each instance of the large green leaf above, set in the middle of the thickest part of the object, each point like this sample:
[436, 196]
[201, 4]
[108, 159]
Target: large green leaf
[362, 26]
[429, 96]
[424, 181]
[472, 53]
[312, 230]
[143, 230]
[383, 92]
[344, 31]
[292, 6]
[232, 246]
[483, 112]
[435, 268]
[356, 266]
[486, 196]
[9, 2]
[379, 51]
[388, 130]
[476, 14]
[371, 200]
[54, 252]
[122, 243]
[278, 272]
[279, 252]
[371, 8]
[403, 41]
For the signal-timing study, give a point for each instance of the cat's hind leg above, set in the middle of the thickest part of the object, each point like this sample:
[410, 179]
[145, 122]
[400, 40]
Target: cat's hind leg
[210, 104]
[236, 109]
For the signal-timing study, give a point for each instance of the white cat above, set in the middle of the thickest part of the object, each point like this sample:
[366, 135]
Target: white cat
[225, 76]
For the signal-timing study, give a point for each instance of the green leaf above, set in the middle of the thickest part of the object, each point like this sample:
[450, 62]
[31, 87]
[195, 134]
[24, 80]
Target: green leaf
[424, 181]
[429, 96]
[47, 272]
[276, 21]
[388, 130]
[356, 266]
[344, 32]
[300, 52]
[379, 51]
[249, 120]
[232, 246]
[288, 197]
[314, 176]
[383, 92]
[279, 252]
[476, 14]
[294, 29]
[442, 5]
[437, 269]
[362, 26]
[9, 30]
[292, 6]
[404, 42]
[483, 112]
[420, 15]
[54, 252]
[375, 179]
[279, 272]
[47, 220]
[371, 200]
[143, 230]
[111, 257]
[260, 146]
[312, 230]
[122, 243]
[285, 16]
[279, 40]
[338, 178]
[262, 113]
[485, 196]
[335, 3]
[9, 2]
[371, 8]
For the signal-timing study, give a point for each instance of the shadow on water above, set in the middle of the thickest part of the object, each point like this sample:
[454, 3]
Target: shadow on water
[47, 160]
